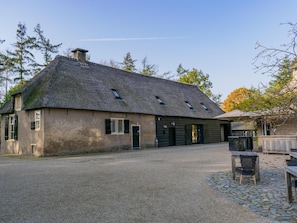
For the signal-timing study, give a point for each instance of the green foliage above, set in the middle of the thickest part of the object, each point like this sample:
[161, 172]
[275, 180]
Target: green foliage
[279, 96]
[128, 64]
[12, 91]
[283, 77]
[45, 47]
[21, 59]
[148, 69]
[198, 78]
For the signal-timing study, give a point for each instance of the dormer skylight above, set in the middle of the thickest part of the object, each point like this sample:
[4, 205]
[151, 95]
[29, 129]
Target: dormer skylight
[189, 105]
[204, 106]
[159, 100]
[116, 94]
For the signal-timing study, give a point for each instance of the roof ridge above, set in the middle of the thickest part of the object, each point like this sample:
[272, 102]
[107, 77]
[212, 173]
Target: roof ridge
[135, 73]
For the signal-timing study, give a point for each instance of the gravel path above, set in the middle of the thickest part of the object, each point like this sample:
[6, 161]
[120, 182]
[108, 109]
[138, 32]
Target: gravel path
[165, 185]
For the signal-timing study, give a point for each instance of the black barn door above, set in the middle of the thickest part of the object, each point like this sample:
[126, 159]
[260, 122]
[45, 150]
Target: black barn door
[135, 130]
[172, 138]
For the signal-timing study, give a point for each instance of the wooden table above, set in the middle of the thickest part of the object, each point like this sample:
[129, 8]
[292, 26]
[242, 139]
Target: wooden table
[291, 171]
[236, 154]
[293, 154]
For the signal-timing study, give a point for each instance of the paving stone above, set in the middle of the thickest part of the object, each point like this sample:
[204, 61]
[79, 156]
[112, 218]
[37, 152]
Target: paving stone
[267, 198]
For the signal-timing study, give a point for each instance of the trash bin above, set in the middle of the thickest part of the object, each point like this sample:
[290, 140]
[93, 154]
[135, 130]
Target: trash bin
[240, 143]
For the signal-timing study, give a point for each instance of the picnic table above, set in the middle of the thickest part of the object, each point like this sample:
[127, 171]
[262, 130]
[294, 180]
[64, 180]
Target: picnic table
[236, 155]
[291, 171]
[293, 154]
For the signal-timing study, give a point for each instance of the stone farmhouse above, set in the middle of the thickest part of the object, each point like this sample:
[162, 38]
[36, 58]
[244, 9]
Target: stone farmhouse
[76, 106]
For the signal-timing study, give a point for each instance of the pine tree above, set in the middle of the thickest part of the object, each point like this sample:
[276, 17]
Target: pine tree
[128, 64]
[22, 57]
[43, 44]
[148, 69]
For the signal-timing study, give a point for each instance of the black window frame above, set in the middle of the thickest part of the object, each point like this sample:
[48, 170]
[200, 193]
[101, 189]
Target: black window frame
[189, 105]
[116, 94]
[161, 102]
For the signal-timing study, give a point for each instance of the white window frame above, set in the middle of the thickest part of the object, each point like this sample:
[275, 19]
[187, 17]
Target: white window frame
[117, 126]
[18, 102]
[11, 127]
[37, 119]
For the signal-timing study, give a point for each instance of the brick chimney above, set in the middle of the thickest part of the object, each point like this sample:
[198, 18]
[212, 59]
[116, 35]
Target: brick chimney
[80, 54]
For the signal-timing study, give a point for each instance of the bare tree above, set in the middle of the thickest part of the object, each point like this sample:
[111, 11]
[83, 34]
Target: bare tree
[277, 102]
[270, 59]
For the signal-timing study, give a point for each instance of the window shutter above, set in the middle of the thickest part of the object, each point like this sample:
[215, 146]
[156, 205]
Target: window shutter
[107, 126]
[6, 128]
[126, 126]
[15, 127]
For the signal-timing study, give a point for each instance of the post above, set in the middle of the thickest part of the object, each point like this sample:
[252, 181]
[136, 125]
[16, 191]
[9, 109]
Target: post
[289, 187]
[233, 166]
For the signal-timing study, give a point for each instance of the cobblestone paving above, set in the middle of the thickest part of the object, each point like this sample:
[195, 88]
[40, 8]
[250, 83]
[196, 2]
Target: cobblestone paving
[268, 197]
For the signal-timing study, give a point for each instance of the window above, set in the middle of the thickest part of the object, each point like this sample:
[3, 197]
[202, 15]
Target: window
[37, 120]
[159, 100]
[116, 94]
[11, 127]
[18, 102]
[116, 126]
[204, 106]
[189, 105]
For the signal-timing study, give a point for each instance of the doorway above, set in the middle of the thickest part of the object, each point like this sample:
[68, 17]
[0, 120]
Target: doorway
[172, 136]
[197, 134]
[135, 136]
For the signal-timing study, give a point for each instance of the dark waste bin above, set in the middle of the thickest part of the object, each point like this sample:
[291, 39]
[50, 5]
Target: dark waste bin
[240, 143]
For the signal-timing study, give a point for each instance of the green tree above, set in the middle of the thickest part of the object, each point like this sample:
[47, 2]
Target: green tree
[283, 77]
[22, 58]
[11, 91]
[45, 47]
[198, 78]
[148, 69]
[128, 64]
[181, 71]
[278, 99]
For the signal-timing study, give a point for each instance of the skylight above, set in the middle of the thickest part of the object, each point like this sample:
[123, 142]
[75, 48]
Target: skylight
[204, 106]
[116, 94]
[189, 105]
[160, 100]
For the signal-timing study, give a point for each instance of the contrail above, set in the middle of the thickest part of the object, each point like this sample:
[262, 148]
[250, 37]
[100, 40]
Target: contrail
[132, 39]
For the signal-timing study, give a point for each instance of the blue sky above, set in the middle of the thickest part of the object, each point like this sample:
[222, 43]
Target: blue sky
[215, 36]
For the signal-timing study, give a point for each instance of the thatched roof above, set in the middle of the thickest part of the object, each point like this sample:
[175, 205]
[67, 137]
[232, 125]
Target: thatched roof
[68, 83]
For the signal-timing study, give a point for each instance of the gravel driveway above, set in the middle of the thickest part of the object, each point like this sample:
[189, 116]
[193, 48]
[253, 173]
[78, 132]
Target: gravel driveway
[160, 185]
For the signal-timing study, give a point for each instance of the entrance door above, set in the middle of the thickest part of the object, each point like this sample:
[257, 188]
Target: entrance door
[135, 136]
[197, 134]
[200, 134]
[172, 138]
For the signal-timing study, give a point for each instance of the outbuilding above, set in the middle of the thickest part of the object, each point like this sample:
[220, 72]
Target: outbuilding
[75, 106]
